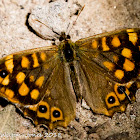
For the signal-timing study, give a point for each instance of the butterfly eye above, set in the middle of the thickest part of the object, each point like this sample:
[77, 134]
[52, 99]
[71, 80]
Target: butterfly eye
[61, 38]
[42, 108]
[121, 89]
[68, 36]
[3, 73]
[111, 100]
[56, 113]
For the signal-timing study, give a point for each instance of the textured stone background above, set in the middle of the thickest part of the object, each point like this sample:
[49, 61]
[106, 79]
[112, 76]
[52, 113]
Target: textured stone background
[98, 16]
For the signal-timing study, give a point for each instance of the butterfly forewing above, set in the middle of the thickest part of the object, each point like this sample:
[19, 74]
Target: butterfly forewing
[24, 75]
[116, 54]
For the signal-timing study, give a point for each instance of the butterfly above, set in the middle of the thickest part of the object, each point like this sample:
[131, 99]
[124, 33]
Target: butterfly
[45, 83]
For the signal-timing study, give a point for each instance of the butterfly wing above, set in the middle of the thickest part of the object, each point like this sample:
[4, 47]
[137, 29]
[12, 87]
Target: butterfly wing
[38, 83]
[22, 72]
[58, 106]
[108, 67]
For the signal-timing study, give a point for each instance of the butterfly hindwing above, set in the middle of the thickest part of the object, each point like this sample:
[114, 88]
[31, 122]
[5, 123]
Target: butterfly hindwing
[103, 95]
[57, 107]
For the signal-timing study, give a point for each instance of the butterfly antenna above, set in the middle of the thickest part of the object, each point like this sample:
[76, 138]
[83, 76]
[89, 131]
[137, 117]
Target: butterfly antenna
[75, 20]
[37, 33]
[48, 27]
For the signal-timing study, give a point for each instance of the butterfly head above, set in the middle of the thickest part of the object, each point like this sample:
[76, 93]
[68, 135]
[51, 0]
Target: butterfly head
[64, 37]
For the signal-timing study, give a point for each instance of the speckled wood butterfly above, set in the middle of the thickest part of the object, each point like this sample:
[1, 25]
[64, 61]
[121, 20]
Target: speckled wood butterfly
[45, 82]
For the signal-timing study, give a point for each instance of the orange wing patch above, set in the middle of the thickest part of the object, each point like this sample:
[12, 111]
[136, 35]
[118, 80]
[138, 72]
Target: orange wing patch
[115, 41]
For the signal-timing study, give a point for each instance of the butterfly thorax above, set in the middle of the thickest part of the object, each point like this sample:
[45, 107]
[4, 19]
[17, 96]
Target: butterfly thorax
[66, 48]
